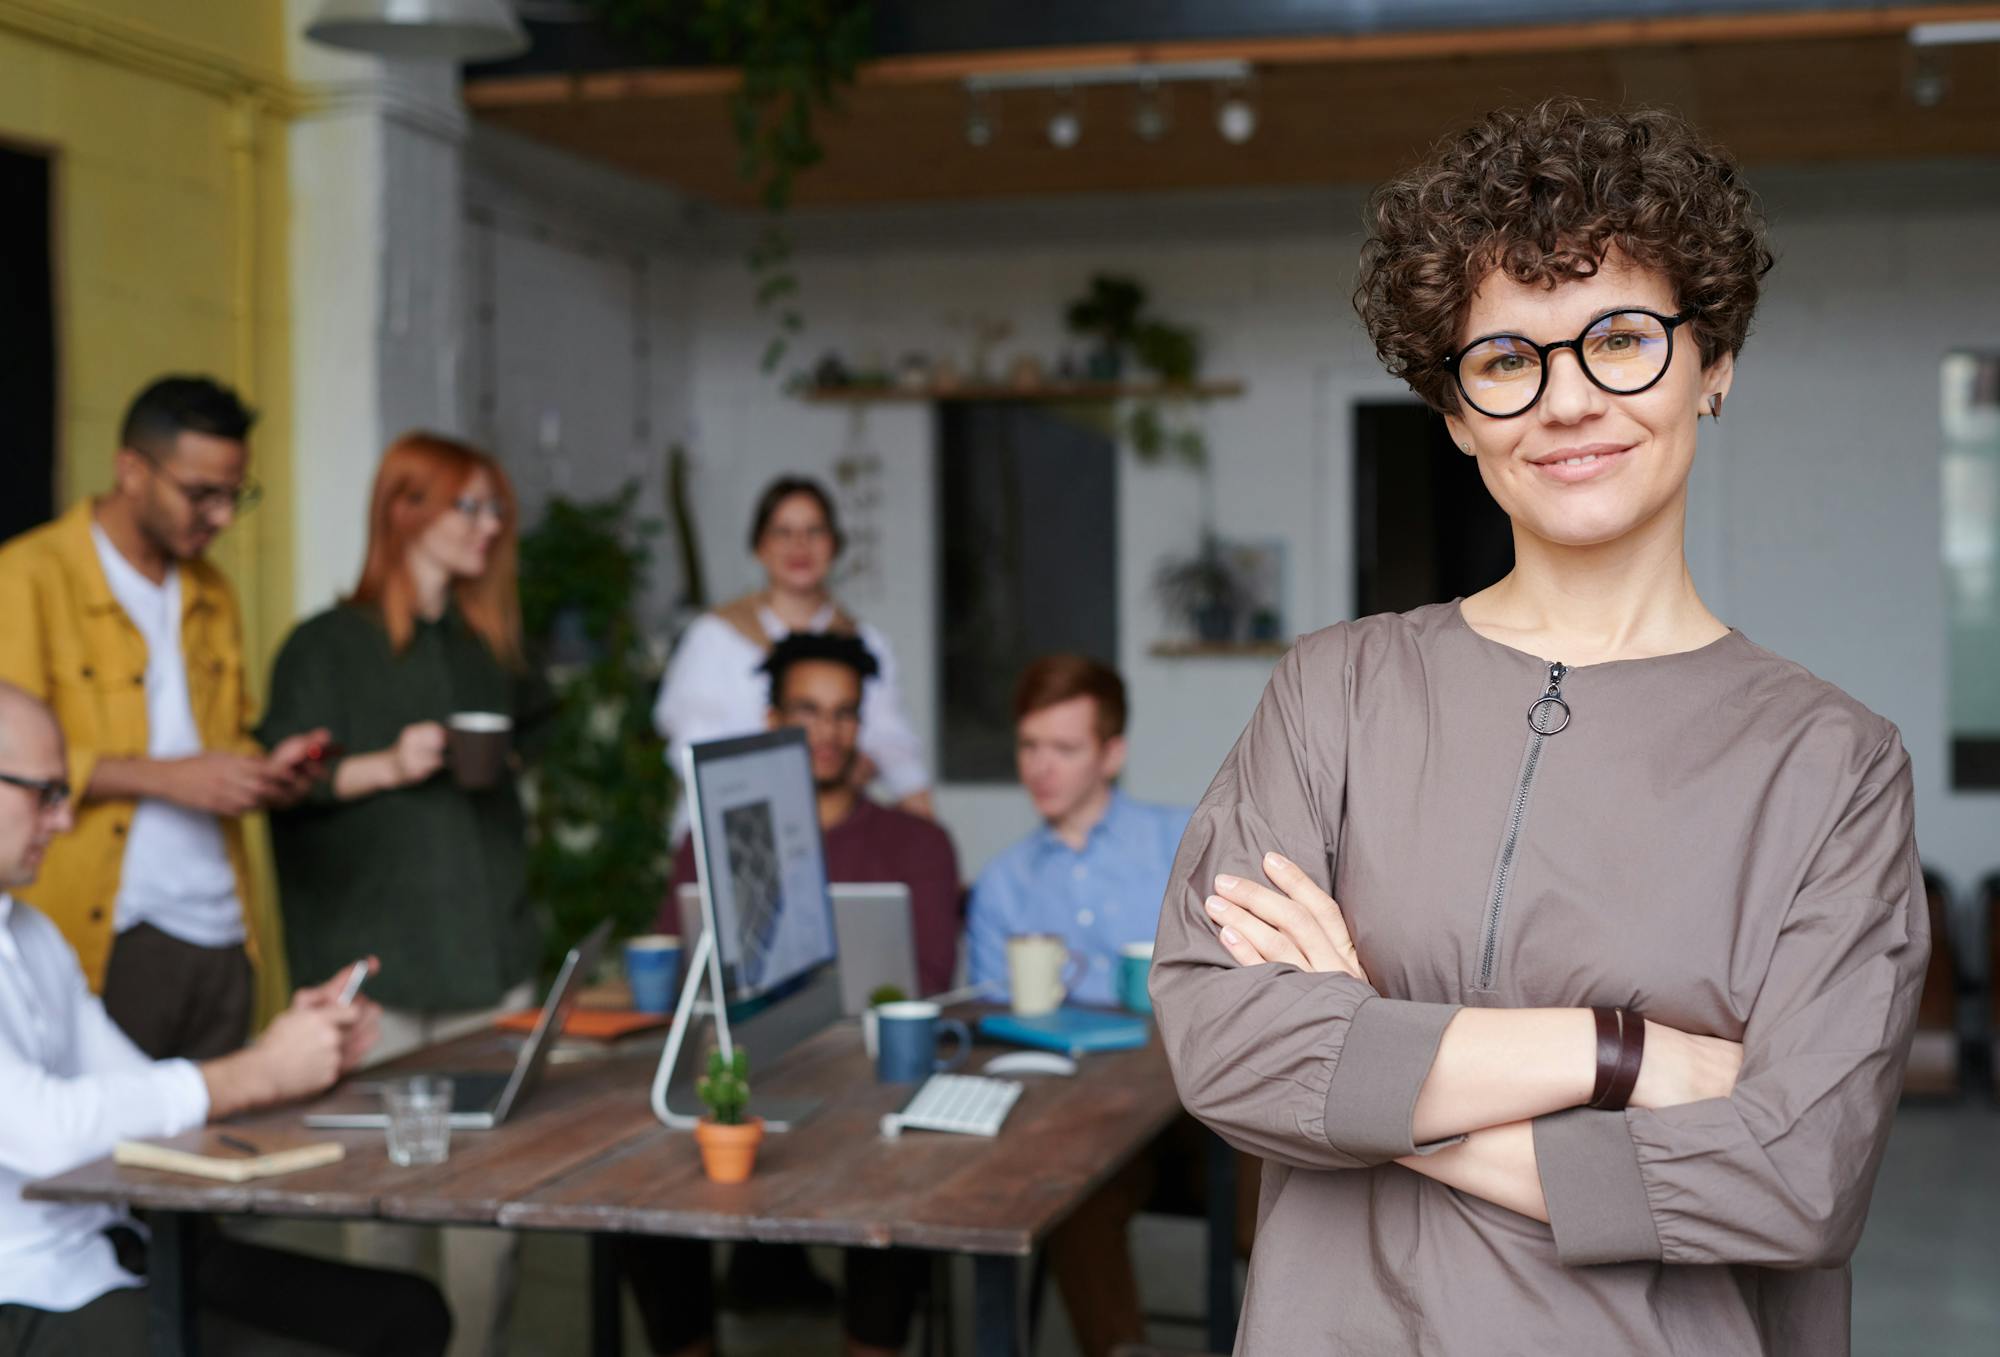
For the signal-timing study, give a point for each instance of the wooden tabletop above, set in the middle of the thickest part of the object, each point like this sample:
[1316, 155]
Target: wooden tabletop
[585, 1153]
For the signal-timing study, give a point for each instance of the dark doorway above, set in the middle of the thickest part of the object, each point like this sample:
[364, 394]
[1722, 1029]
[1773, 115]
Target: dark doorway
[1425, 530]
[27, 343]
[1028, 548]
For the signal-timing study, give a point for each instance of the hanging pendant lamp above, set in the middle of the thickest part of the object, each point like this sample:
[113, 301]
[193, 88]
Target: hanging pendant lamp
[440, 30]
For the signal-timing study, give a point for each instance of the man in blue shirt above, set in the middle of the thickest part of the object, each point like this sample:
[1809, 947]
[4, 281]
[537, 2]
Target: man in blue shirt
[1094, 874]
[1096, 870]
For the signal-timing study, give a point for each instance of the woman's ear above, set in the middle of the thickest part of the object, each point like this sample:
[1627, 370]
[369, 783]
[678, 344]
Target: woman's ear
[1460, 436]
[1716, 379]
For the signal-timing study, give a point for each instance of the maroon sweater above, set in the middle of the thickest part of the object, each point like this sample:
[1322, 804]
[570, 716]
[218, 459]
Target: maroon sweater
[880, 843]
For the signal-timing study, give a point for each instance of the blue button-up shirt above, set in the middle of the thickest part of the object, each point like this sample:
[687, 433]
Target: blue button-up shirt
[1099, 899]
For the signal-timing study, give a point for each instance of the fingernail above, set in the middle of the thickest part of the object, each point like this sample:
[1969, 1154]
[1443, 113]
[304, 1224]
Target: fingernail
[1215, 906]
[1231, 937]
[1226, 883]
[1273, 860]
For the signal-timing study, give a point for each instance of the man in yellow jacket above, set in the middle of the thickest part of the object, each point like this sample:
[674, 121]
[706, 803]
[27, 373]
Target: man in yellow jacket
[112, 617]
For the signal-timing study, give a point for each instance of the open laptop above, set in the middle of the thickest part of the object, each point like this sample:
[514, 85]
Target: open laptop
[481, 1100]
[873, 932]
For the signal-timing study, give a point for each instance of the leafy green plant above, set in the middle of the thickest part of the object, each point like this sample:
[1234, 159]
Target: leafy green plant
[1109, 311]
[725, 1090]
[600, 795]
[885, 994]
[1114, 312]
[796, 56]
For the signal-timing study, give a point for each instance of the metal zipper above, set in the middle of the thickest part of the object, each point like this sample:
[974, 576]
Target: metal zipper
[1548, 716]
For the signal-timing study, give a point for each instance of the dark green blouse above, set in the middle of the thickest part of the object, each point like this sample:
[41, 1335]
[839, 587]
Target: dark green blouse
[430, 878]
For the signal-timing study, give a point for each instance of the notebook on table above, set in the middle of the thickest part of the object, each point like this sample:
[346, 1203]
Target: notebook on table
[228, 1156]
[1072, 1031]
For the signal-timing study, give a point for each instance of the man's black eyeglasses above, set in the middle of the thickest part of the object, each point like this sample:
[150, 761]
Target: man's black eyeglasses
[205, 499]
[51, 791]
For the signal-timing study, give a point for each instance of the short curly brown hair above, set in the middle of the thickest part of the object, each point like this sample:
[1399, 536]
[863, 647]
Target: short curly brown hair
[1543, 195]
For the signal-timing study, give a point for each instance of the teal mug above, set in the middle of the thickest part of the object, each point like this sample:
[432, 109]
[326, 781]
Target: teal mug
[1135, 968]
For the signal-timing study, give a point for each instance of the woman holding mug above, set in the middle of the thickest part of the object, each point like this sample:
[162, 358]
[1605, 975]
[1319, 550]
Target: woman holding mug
[393, 854]
[715, 687]
[1558, 947]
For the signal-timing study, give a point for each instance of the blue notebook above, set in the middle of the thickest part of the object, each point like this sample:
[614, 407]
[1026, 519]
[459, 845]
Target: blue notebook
[1072, 1031]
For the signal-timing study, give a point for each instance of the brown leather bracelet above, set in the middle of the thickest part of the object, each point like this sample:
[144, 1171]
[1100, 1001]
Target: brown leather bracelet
[1607, 1052]
[1631, 1054]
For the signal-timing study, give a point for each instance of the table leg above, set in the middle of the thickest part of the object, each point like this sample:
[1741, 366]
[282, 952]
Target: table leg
[996, 1306]
[170, 1284]
[1221, 1245]
[607, 1302]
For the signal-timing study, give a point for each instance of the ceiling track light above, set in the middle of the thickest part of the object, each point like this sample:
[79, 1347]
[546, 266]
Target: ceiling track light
[1151, 111]
[980, 124]
[1065, 127]
[1136, 73]
[1235, 112]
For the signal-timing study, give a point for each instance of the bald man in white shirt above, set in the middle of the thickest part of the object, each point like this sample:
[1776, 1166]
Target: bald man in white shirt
[71, 1275]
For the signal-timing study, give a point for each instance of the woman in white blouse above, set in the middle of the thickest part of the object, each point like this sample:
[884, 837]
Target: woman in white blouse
[714, 690]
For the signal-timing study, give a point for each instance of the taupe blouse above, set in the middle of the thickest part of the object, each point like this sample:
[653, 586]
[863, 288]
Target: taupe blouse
[1716, 839]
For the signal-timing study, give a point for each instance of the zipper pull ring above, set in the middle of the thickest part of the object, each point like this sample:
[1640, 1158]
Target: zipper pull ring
[1543, 711]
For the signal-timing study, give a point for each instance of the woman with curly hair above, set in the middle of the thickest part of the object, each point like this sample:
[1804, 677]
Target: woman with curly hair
[1598, 1048]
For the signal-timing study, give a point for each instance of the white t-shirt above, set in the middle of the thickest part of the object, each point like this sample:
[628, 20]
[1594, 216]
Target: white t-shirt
[75, 1086]
[713, 691]
[177, 875]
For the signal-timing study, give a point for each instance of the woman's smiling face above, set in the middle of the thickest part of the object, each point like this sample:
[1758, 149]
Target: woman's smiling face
[1584, 466]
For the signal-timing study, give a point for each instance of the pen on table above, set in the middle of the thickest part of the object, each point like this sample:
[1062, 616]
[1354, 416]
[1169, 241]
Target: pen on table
[237, 1143]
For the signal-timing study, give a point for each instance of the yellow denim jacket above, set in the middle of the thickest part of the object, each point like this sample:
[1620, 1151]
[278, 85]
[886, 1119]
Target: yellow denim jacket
[64, 638]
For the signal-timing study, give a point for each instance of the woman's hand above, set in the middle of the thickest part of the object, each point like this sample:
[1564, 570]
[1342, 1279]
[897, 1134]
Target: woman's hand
[1680, 1067]
[418, 752]
[1297, 923]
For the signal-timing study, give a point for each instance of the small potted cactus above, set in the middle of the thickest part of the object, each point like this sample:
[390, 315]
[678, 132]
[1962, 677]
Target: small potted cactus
[728, 1138]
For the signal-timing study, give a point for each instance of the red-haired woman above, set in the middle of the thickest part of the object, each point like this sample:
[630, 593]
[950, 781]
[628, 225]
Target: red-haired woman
[389, 856]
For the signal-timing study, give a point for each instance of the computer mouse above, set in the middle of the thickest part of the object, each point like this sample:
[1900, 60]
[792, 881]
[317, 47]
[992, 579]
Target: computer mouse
[1030, 1062]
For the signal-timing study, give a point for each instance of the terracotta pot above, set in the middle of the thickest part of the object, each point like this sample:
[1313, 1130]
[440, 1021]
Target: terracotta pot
[728, 1153]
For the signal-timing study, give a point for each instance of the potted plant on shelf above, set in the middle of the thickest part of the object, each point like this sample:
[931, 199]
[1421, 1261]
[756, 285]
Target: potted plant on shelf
[1110, 313]
[728, 1139]
[1203, 591]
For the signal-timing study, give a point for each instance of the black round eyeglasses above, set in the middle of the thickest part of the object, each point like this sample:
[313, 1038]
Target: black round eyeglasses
[1624, 352]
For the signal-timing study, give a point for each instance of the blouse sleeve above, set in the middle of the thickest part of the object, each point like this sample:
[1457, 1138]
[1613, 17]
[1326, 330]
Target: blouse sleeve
[1779, 1173]
[694, 703]
[1315, 1071]
[886, 735]
[306, 695]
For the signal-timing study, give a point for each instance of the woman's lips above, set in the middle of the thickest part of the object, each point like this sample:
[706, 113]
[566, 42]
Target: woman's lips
[1583, 465]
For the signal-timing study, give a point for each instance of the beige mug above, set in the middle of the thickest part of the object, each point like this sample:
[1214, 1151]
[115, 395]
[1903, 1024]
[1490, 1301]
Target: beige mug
[1041, 971]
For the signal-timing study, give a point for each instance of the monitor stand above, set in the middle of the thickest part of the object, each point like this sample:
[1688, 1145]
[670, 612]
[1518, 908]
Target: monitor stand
[705, 973]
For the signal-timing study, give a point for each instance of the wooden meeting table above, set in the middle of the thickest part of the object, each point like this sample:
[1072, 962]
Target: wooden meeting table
[585, 1154]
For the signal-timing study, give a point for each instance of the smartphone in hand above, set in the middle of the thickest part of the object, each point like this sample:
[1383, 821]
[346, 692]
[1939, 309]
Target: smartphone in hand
[356, 977]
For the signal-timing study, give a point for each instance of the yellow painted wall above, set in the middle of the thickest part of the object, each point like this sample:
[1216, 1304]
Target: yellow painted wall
[165, 118]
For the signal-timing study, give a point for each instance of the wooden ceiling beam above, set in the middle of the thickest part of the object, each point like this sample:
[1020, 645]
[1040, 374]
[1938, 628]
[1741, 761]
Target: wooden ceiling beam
[662, 83]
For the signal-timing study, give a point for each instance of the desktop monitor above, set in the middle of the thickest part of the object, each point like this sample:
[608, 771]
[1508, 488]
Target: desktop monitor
[762, 867]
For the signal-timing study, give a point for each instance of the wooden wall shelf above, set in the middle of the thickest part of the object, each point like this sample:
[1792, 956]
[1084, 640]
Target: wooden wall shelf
[1047, 393]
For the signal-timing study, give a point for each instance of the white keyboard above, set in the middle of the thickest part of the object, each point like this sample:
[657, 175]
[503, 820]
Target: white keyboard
[968, 1104]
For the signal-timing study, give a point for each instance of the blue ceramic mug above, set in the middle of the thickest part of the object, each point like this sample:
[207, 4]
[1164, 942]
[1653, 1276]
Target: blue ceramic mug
[652, 965]
[1135, 967]
[906, 1042]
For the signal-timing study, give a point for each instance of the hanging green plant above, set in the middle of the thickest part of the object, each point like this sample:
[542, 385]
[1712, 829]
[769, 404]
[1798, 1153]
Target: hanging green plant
[796, 56]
